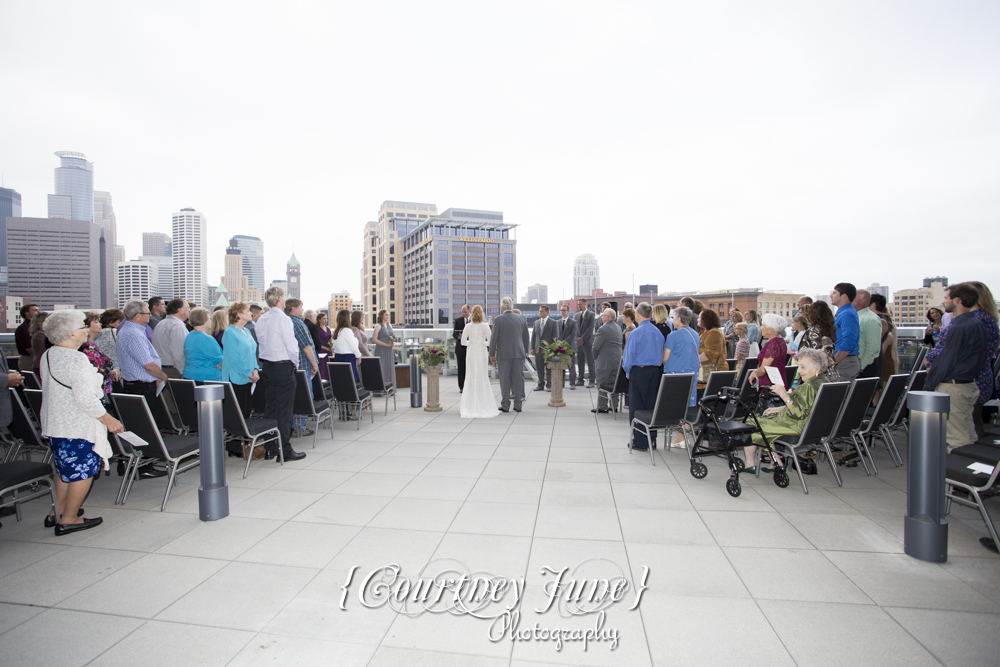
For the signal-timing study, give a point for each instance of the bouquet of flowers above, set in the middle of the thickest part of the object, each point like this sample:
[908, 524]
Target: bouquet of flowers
[432, 355]
[559, 352]
[392, 339]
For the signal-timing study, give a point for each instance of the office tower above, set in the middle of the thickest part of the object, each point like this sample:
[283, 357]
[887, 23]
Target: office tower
[252, 250]
[586, 275]
[189, 255]
[104, 213]
[10, 207]
[292, 275]
[238, 287]
[357, 306]
[156, 244]
[60, 262]
[396, 219]
[74, 197]
[369, 274]
[119, 253]
[210, 295]
[339, 301]
[462, 256]
[164, 274]
[537, 294]
[909, 306]
[283, 284]
[136, 280]
[11, 319]
[876, 288]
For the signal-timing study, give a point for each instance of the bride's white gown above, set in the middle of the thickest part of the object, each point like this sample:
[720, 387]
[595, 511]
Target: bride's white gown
[478, 401]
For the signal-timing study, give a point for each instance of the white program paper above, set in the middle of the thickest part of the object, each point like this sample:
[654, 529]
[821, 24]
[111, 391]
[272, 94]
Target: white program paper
[981, 467]
[774, 375]
[132, 439]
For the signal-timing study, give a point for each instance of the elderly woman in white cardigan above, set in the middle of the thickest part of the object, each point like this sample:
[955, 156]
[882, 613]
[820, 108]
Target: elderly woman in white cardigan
[73, 418]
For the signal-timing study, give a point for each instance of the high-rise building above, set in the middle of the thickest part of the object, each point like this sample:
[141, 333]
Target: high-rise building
[136, 280]
[460, 256]
[909, 306]
[537, 294]
[74, 197]
[10, 207]
[283, 284]
[156, 244]
[357, 306]
[339, 301]
[292, 275]
[164, 274]
[396, 219]
[11, 318]
[252, 250]
[190, 255]
[238, 287]
[369, 274]
[586, 274]
[65, 262]
[778, 302]
[104, 213]
[119, 254]
[875, 288]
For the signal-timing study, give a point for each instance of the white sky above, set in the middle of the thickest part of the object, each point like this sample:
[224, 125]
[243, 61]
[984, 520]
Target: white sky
[698, 145]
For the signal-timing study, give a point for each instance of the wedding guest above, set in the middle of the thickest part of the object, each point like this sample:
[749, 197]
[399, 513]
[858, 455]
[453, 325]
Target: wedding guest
[324, 344]
[239, 356]
[712, 346]
[753, 326]
[345, 343]
[359, 331]
[384, 344]
[73, 418]
[681, 355]
[729, 331]
[641, 361]
[933, 331]
[39, 343]
[742, 346]
[774, 353]
[202, 352]
[22, 336]
[101, 362]
[628, 322]
[822, 335]
[661, 319]
[220, 320]
[105, 342]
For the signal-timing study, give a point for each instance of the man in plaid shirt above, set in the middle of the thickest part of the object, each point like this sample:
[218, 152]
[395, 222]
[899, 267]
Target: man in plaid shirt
[307, 356]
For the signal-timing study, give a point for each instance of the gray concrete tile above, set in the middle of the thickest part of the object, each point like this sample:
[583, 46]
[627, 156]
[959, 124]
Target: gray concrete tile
[495, 519]
[597, 523]
[793, 574]
[272, 649]
[301, 544]
[518, 491]
[349, 510]
[956, 638]
[62, 574]
[753, 529]
[170, 644]
[577, 494]
[664, 527]
[693, 571]
[417, 514]
[12, 615]
[377, 547]
[81, 638]
[225, 539]
[438, 488]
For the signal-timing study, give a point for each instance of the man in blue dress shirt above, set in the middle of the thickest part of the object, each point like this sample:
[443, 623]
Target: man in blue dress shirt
[643, 364]
[848, 325]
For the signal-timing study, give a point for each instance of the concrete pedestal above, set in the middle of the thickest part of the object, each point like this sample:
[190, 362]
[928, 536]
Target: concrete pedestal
[433, 389]
[556, 397]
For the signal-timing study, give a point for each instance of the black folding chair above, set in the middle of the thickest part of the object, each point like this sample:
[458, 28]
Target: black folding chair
[918, 360]
[31, 381]
[979, 486]
[250, 432]
[27, 437]
[372, 380]
[179, 452]
[820, 424]
[615, 392]
[900, 418]
[17, 476]
[306, 407]
[346, 392]
[749, 365]
[749, 395]
[850, 420]
[872, 426]
[668, 413]
[33, 398]
[790, 373]
[187, 406]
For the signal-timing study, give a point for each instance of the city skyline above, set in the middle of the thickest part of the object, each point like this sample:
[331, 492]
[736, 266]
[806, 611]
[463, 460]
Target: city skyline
[698, 135]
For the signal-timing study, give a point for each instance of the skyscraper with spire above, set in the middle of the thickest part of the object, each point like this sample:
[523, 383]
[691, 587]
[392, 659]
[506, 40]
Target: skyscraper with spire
[292, 274]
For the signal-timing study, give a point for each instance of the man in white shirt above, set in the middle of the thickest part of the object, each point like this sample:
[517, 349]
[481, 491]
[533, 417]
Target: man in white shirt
[279, 359]
[168, 338]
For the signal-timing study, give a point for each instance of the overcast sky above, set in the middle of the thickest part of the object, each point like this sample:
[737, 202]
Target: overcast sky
[696, 145]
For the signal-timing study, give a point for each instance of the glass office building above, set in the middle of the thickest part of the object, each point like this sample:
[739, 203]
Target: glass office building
[252, 250]
[462, 256]
[74, 197]
[10, 207]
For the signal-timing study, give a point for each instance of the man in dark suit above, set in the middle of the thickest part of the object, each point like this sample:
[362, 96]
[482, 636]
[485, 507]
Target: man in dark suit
[586, 324]
[568, 332]
[543, 333]
[460, 349]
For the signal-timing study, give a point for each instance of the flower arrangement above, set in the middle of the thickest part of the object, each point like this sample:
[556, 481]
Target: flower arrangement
[432, 355]
[559, 352]
[392, 339]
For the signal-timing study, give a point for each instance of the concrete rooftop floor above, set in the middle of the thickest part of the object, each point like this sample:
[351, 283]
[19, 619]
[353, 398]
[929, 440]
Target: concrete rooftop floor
[774, 577]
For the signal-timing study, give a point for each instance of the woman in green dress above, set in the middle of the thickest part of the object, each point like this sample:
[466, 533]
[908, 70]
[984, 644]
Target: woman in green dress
[791, 419]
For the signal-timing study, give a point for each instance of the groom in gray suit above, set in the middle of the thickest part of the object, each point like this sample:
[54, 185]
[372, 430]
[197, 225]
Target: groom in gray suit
[509, 348]
[567, 331]
[543, 333]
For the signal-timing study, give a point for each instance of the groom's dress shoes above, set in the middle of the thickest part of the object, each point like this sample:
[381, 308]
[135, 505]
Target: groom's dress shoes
[503, 409]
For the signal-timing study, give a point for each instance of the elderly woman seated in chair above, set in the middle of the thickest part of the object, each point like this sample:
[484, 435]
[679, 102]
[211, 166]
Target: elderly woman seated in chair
[791, 419]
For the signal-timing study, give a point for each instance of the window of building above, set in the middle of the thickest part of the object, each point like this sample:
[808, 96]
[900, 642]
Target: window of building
[442, 284]
[442, 242]
[508, 259]
[442, 257]
[392, 294]
[392, 270]
[508, 287]
[509, 273]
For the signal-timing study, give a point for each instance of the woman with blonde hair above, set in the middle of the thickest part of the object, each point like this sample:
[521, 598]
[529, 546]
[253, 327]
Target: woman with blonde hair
[729, 331]
[220, 320]
[478, 401]
[661, 319]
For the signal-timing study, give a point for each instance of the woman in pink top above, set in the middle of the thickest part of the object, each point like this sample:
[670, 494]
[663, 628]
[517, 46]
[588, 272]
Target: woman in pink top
[773, 353]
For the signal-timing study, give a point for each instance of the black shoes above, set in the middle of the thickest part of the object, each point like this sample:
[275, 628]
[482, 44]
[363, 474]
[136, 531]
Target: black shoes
[291, 455]
[50, 520]
[600, 411]
[66, 529]
[591, 385]
[517, 409]
[151, 473]
[503, 409]
[539, 389]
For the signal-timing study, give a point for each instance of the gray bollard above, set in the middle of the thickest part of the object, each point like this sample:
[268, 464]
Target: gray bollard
[925, 528]
[213, 494]
[416, 379]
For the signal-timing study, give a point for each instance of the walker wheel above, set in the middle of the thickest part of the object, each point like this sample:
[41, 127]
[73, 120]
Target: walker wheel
[698, 470]
[781, 478]
[738, 462]
[733, 487]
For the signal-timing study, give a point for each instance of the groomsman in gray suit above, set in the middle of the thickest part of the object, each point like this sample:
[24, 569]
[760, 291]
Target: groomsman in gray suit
[543, 333]
[567, 331]
[586, 324]
[508, 348]
[608, 352]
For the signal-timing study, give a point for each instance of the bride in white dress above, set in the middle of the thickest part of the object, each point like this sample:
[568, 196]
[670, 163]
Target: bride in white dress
[478, 401]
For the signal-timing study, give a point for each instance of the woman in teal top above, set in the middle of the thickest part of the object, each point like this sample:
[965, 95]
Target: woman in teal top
[239, 355]
[203, 356]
